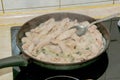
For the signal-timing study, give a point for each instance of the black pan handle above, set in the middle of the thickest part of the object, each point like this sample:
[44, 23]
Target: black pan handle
[17, 60]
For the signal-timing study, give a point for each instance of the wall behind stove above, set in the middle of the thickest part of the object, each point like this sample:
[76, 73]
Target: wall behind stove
[12, 5]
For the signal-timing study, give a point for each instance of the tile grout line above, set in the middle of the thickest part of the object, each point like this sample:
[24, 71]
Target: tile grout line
[59, 4]
[2, 5]
[113, 1]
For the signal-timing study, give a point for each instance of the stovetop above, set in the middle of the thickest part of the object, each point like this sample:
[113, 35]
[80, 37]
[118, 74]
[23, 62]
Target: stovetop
[105, 68]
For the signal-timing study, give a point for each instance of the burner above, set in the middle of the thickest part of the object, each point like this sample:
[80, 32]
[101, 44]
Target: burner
[35, 72]
[92, 71]
[61, 77]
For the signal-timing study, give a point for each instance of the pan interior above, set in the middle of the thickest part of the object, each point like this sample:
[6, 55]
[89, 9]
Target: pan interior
[59, 16]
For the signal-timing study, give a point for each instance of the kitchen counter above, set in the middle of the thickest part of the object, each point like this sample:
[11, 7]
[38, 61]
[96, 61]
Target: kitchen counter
[5, 51]
[17, 19]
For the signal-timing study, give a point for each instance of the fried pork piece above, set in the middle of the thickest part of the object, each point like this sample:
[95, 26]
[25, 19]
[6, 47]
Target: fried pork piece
[70, 43]
[53, 48]
[66, 50]
[28, 45]
[47, 28]
[66, 34]
[42, 26]
[25, 40]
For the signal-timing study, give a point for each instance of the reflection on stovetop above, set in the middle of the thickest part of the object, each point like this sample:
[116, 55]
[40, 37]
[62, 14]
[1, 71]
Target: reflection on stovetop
[35, 72]
[92, 71]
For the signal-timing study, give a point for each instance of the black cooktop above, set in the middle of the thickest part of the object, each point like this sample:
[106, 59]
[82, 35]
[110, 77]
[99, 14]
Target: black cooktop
[107, 67]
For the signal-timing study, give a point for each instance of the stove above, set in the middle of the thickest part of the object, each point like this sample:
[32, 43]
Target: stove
[107, 67]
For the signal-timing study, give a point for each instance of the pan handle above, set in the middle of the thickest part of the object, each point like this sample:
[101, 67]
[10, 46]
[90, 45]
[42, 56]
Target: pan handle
[17, 60]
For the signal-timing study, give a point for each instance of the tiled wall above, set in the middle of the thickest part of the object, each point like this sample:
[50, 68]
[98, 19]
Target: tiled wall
[84, 2]
[21, 4]
[0, 6]
[118, 1]
[9, 5]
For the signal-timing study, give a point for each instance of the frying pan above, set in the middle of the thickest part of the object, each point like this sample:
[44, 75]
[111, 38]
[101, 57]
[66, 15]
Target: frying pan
[24, 59]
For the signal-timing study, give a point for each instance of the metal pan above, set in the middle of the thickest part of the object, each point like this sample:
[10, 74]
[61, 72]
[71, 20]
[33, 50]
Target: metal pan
[23, 59]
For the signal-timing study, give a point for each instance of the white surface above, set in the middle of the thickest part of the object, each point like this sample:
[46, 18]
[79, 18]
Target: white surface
[19, 4]
[6, 74]
[117, 1]
[85, 2]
